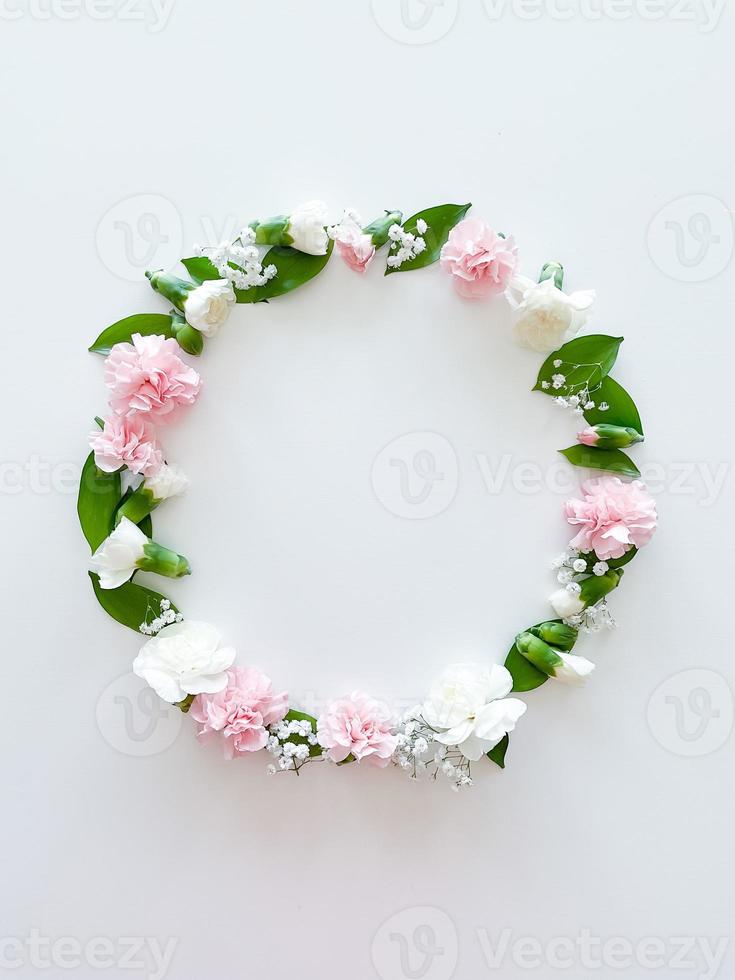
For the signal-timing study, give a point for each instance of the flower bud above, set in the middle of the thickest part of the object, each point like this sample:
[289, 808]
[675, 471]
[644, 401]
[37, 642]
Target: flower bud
[158, 559]
[555, 271]
[175, 290]
[272, 231]
[606, 436]
[598, 586]
[557, 635]
[188, 338]
[564, 667]
[378, 229]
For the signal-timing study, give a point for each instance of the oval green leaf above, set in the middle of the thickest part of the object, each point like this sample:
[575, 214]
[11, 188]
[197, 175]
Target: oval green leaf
[131, 604]
[586, 362]
[440, 221]
[613, 460]
[294, 269]
[121, 332]
[99, 496]
[622, 410]
[200, 269]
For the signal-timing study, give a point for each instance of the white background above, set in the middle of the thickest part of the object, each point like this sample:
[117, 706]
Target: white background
[615, 813]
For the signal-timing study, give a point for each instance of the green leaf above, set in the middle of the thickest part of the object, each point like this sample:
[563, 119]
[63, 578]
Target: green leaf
[586, 361]
[525, 676]
[121, 332]
[200, 269]
[131, 604]
[99, 495]
[622, 410]
[613, 460]
[294, 269]
[497, 755]
[440, 221]
[625, 560]
[294, 715]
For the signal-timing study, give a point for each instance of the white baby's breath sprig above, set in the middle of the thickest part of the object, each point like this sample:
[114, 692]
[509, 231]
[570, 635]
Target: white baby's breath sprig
[404, 244]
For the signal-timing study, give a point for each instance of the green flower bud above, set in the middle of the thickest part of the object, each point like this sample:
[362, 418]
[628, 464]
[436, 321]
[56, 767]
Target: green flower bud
[174, 289]
[605, 436]
[555, 271]
[272, 231]
[158, 559]
[137, 506]
[598, 586]
[540, 654]
[556, 635]
[378, 229]
[189, 339]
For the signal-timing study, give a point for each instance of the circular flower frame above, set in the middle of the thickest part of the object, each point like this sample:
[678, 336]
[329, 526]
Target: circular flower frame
[471, 710]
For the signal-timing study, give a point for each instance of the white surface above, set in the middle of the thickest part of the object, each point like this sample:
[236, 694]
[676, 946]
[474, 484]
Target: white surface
[571, 134]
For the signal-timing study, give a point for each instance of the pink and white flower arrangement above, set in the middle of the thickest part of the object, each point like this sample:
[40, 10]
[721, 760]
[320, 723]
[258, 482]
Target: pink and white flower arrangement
[359, 726]
[126, 441]
[149, 378]
[480, 260]
[240, 713]
[612, 517]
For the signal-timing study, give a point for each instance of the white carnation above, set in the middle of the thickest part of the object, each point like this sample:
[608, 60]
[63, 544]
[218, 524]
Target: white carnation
[185, 658]
[169, 481]
[307, 228]
[207, 307]
[116, 558]
[546, 317]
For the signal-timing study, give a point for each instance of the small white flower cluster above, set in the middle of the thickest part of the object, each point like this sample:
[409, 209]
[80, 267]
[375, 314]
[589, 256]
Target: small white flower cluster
[165, 618]
[580, 401]
[593, 619]
[412, 753]
[291, 743]
[571, 564]
[239, 261]
[404, 245]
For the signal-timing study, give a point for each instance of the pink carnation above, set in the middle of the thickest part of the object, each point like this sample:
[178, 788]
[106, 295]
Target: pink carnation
[480, 261]
[359, 726]
[126, 442]
[241, 712]
[588, 436]
[149, 377]
[613, 517]
[355, 247]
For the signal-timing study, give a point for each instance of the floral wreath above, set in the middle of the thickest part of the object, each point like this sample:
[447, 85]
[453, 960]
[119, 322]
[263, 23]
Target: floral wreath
[467, 714]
